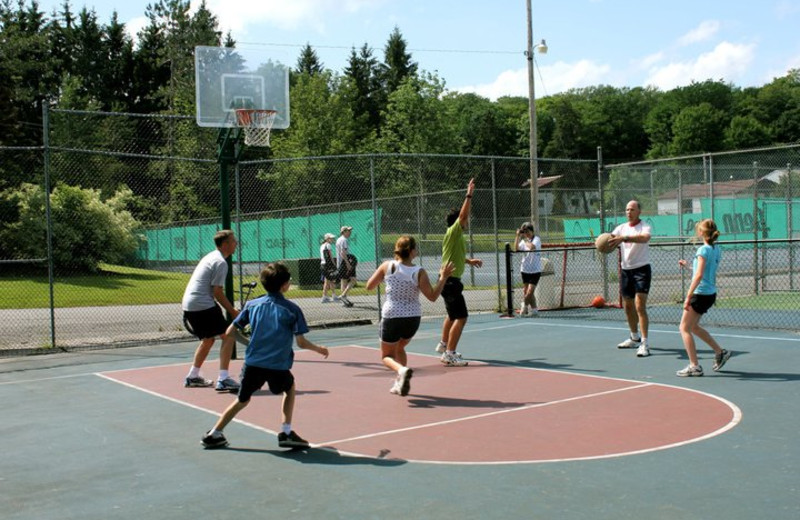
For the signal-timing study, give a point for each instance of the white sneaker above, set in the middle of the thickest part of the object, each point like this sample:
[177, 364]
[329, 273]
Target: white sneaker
[453, 359]
[440, 348]
[325, 299]
[643, 350]
[629, 343]
[395, 389]
[404, 379]
[533, 313]
[336, 298]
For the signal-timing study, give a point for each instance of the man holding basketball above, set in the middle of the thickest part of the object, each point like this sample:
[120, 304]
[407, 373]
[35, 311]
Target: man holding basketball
[634, 280]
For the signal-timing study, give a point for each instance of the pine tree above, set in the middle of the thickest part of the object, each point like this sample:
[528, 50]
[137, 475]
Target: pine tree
[308, 62]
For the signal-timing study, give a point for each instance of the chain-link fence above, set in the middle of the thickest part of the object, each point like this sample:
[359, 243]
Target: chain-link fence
[134, 201]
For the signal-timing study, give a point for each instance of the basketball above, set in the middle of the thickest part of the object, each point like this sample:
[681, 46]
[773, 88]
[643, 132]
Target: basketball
[602, 243]
[599, 302]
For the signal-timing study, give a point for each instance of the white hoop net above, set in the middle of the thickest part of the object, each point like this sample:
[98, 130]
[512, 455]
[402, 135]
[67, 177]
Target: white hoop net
[257, 125]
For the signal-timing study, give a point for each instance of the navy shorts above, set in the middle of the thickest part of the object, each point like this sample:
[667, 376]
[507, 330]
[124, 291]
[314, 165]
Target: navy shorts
[453, 296]
[531, 278]
[635, 281]
[702, 302]
[208, 323]
[394, 329]
[253, 378]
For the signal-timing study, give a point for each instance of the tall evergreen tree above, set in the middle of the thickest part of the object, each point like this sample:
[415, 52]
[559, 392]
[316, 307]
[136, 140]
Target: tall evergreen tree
[308, 62]
[397, 64]
[367, 98]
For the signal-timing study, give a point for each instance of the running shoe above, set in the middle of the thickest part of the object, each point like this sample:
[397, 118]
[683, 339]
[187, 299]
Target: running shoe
[211, 442]
[533, 313]
[629, 343]
[396, 387]
[720, 359]
[405, 380]
[325, 299]
[291, 440]
[643, 350]
[197, 382]
[227, 385]
[453, 359]
[690, 371]
[440, 348]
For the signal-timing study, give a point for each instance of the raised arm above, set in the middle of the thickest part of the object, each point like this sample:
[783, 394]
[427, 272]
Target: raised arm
[463, 215]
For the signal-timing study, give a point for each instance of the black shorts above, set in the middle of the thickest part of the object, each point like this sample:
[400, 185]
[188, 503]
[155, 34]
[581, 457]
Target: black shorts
[253, 378]
[328, 272]
[635, 281]
[393, 330]
[531, 278]
[208, 323]
[453, 296]
[702, 302]
[346, 273]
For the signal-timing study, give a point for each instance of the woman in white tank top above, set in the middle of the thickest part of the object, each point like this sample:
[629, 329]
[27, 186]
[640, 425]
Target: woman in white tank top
[401, 312]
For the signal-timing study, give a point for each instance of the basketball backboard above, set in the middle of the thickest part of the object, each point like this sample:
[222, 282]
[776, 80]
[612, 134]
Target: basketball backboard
[228, 78]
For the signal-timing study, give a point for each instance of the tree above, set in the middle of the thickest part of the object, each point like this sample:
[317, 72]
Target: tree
[86, 229]
[308, 62]
[481, 127]
[397, 62]
[364, 91]
[746, 132]
[698, 129]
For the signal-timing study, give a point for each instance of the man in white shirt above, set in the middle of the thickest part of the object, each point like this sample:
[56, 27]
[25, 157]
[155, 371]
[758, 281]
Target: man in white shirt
[634, 280]
[347, 268]
[203, 317]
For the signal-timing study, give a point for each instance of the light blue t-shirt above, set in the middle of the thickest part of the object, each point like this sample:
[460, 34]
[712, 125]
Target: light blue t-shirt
[712, 254]
[274, 322]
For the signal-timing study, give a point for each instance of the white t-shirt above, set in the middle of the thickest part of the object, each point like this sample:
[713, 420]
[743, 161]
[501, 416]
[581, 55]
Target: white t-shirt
[326, 245]
[209, 273]
[634, 254]
[342, 248]
[531, 263]
[402, 292]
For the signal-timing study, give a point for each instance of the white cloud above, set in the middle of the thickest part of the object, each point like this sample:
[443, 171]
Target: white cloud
[705, 31]
[237, 15]
[728, 62]
[650, 61]
[555, 78]
[134, 25]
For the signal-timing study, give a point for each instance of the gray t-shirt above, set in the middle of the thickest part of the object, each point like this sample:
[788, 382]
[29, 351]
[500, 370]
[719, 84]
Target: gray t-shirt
[210, 272]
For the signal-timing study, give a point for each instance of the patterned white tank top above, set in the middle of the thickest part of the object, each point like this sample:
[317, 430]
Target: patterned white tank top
[402, 292]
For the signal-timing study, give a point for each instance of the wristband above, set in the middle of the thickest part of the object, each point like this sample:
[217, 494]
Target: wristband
[469, 196]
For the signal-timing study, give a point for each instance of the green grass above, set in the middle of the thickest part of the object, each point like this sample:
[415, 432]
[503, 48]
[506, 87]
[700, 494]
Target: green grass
[779, 301]
[115, 285]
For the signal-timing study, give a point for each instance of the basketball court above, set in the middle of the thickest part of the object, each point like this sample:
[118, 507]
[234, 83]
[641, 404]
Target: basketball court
[549, 420]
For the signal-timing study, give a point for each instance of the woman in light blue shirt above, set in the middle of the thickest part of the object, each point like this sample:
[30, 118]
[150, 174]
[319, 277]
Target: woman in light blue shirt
[699, 299]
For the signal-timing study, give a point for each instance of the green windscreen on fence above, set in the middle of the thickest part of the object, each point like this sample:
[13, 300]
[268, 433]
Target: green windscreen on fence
[734, 217]
[264, 240]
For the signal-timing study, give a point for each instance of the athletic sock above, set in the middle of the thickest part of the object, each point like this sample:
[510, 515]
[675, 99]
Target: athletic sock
[636, 337]
[194, 372]
[286, 428]
[223, 375]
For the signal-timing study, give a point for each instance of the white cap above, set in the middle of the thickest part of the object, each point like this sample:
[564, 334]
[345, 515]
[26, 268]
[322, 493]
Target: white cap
[328, 236]
[346, 228]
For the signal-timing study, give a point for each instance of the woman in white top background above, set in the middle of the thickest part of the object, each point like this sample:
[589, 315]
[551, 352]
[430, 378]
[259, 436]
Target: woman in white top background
[402, 311]
[530, 269]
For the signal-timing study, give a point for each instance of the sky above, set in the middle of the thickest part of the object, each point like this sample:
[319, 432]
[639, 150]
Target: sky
[479, 45]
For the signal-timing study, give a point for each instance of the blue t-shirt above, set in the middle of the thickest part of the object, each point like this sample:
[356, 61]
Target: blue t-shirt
[274, 322]
[712, 254]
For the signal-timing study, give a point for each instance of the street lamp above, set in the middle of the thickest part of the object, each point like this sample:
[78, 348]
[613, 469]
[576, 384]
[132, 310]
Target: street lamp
[534, 166]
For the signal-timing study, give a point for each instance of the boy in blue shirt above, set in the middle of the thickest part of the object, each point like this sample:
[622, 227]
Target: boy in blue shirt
[274, 321]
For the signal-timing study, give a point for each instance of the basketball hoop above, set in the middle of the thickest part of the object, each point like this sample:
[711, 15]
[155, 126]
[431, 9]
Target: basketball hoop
[256, 124]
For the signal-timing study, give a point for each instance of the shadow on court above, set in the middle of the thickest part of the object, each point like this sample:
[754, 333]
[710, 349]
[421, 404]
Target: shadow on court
[433, 401]
[325, 456]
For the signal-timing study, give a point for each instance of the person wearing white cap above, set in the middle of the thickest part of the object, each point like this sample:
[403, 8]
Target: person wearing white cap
[347, 268]
[327, 268]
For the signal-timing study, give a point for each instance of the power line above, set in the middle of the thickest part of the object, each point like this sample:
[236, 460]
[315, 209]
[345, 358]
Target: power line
[345, 47]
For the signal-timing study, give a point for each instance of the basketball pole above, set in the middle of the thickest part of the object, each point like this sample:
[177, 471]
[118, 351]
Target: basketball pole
[229, 150]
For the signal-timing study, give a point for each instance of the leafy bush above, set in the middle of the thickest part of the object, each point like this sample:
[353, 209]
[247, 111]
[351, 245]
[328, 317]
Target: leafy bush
[86, 229]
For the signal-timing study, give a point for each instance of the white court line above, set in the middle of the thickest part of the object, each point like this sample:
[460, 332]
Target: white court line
[487, 414]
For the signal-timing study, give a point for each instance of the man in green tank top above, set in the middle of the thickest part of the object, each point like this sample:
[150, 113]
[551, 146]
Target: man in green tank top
[454, 249]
